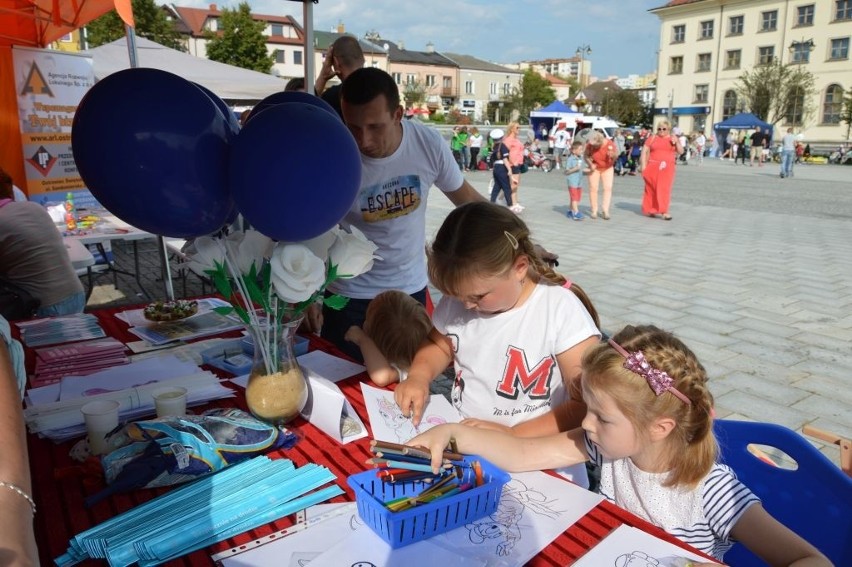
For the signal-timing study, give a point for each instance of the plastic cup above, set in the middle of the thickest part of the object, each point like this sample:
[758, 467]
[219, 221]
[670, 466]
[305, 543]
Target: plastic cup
[101, 417]
[170, 400]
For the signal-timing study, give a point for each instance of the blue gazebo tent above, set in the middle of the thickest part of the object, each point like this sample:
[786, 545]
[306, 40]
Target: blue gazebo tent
[550, 114]
[741, 121]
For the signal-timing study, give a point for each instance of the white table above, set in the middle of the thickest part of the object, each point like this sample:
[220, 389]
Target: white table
[79, 254]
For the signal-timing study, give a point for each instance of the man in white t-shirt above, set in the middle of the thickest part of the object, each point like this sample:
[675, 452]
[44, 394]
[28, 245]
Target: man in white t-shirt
[401, 160]
[700, 142]
[561, 138]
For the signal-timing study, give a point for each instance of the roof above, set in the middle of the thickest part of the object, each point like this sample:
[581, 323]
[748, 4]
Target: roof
[397, 55]
[595, 91]
[195, 18]
[471, 62]
[323, 39]
[553, 79]
[675, 3]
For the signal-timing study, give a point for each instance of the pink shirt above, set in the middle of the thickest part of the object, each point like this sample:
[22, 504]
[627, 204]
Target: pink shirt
[516, 150]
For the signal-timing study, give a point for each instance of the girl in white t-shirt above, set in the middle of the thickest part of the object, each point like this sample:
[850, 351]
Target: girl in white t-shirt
[507, 322]
[649, 427]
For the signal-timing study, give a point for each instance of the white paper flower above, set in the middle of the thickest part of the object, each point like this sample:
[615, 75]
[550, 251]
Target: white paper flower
[296, 272]
[352, 253]
[208, 251]
[321, 244]
[247, 248]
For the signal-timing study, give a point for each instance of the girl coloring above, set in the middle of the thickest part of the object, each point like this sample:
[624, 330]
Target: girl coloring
[515, 333]
[649, 427]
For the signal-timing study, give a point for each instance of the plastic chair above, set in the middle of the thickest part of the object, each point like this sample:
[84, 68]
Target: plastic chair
[814, 500]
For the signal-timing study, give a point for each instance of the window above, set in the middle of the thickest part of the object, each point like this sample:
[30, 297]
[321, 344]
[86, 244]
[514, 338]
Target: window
[733, 58]
[840, 48]
[297, 57]
[430, 80]
[729, 104]
[832, 105]
[735, 25]
[277, 30]
[212, 24]
[805, 15]
[447, 82]
[765, 55]
[675, 65]
[769, 20]
[801, 52]
[279, 56]
[702, 93]
[507, 89]
[410, 79]
[679, 34]
[492, 88]
[843, 10]
[707, 29]
[795, 107]
[397, 78]
[704, 61]
[468, 87]
[67, 38]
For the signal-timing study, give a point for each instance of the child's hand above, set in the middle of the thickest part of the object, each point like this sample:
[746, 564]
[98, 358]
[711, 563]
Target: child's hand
[436, 440]
[483, 424]
[411, 396]
[354, 334]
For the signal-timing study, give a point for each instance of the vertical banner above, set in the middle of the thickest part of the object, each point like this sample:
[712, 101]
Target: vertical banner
[50, 85]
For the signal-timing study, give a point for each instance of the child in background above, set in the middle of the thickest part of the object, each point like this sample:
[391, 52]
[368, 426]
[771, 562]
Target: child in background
[507, 321]
[649, 427]
[574, 176]
[395, 326]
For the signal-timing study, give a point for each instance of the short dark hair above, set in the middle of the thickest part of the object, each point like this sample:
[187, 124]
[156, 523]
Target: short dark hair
[6, 184]
[365, 84]
[295, 84]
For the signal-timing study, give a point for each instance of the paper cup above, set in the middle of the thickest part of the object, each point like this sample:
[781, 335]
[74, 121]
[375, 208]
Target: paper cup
[170, 401]
[101, 417]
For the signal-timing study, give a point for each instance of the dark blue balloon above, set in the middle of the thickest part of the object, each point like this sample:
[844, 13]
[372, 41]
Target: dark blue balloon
[153, 149]
[226, 111]
[290, 96]
[295, 171]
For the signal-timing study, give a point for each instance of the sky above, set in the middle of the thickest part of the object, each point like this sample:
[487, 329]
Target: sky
[623, 35]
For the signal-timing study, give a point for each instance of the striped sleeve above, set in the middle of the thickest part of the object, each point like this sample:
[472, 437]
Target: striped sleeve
[725, 500]
[594, 452]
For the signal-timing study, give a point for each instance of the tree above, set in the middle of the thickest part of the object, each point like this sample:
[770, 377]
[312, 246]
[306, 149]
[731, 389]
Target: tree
[151, 23]
[533, 91]
[414, 93]
[241, 41]
[625, 106]
[776, 92]
[846, 113]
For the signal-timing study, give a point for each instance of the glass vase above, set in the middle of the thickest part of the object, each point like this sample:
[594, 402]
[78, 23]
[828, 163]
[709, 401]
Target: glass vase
[277, 389]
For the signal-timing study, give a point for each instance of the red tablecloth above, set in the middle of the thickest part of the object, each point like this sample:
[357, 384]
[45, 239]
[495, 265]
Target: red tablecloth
[61, 484]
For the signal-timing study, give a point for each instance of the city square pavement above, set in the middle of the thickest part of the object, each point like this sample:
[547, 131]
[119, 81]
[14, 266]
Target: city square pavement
[754, 273]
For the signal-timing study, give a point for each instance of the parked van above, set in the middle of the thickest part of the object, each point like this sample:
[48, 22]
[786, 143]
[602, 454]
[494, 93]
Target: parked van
[580, 126]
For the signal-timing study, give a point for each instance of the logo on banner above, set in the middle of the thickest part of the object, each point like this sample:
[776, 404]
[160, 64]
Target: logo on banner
[35, 83]
[42, 160]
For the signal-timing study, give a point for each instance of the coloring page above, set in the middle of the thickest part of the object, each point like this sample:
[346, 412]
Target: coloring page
[388, 423]
[627, 546]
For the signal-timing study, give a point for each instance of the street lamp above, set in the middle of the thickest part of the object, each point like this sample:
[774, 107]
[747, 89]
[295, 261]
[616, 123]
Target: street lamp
[582, 52]
[606, 101]
[800, 50]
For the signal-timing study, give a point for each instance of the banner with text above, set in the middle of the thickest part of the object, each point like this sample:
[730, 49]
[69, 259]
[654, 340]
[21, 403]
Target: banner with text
[50, 85]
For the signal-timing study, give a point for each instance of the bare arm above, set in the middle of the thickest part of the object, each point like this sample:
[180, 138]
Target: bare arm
[378, 367]
[17, 540]
[513, 454]
[326, 72]
[773, 542]
[643, 158]
[434, 355]
[464, 194]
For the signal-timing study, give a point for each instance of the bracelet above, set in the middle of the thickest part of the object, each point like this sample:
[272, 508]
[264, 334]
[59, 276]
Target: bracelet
[16, 488]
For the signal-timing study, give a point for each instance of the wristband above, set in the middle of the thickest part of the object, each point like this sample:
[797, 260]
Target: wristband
[16, 488]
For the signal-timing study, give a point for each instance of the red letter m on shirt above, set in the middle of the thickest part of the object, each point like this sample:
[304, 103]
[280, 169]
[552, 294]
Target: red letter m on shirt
[518, 377]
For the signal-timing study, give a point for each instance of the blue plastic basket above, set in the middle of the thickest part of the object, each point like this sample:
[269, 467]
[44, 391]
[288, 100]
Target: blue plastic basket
[399, 529]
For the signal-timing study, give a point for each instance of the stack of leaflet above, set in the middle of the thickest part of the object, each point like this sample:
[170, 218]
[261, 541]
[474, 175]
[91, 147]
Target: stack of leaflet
[52, 363]
[55, 330]
[214, 508]
[54, 411]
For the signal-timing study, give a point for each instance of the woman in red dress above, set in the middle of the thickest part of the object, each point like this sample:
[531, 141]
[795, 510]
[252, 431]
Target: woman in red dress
[658, 170]
[600, 158]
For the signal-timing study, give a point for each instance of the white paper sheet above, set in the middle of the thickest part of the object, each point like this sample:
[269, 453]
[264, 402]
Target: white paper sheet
[328, 366]
[627, 545]
[327, 406]
[388, 423]
[148, 371]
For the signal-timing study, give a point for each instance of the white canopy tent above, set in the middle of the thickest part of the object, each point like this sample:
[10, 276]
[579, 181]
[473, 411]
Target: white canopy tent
[226, 81]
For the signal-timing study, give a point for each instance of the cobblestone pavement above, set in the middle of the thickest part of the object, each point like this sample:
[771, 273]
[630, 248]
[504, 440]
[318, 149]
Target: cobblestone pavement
[754, 273]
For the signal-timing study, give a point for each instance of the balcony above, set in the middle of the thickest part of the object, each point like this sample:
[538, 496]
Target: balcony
[449, 92]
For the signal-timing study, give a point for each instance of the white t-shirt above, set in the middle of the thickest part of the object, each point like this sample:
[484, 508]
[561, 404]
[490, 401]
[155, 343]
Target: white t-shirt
[506, 369]
[561, 139]
[702, 517]
[700, 141]
[390, 209]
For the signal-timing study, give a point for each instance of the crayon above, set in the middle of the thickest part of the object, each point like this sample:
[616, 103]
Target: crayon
[477, 469]
[385, 464]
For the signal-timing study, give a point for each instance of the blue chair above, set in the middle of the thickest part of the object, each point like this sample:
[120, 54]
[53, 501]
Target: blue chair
[814, 500]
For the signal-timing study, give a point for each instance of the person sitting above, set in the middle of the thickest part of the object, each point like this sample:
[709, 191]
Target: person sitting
[395, 326]
[33, 256]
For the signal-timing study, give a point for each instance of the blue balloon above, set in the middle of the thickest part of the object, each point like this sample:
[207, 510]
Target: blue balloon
[153, 149]
[282, 184]
[226, 111]
[290, 96]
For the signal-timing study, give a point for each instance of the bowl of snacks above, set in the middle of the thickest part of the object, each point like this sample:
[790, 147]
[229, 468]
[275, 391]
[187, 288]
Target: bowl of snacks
[170, 310]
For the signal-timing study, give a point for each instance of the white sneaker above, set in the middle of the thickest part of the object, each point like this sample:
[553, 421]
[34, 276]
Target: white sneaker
[520, 207]
[516, 209]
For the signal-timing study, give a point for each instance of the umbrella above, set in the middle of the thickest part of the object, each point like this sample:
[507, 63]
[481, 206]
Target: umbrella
[37, 23]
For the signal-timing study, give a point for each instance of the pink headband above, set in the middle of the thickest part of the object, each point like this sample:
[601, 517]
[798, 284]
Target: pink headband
[659, 381]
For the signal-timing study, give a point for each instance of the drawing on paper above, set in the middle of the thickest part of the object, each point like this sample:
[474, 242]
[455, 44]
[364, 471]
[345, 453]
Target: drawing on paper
[388, 422]
[400, 425]
[637, 559]
[502, 529]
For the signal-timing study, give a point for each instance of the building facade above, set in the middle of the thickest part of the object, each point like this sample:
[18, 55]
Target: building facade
[705, 45]
[579, 67]
[484, 86]
[428, 70]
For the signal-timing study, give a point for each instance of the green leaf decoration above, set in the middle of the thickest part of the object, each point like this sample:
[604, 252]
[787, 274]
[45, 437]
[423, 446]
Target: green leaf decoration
[243, 314]
[336, 302]
[255, 294]
[223, 310]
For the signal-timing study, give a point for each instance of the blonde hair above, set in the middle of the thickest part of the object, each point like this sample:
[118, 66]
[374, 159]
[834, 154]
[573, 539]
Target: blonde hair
[691, 447]
[513, 126]
[481, 239]
[595, 139]
[398, 324]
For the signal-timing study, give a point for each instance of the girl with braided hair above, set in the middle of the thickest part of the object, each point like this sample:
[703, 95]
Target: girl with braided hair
[514, 329]
[649, 427]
